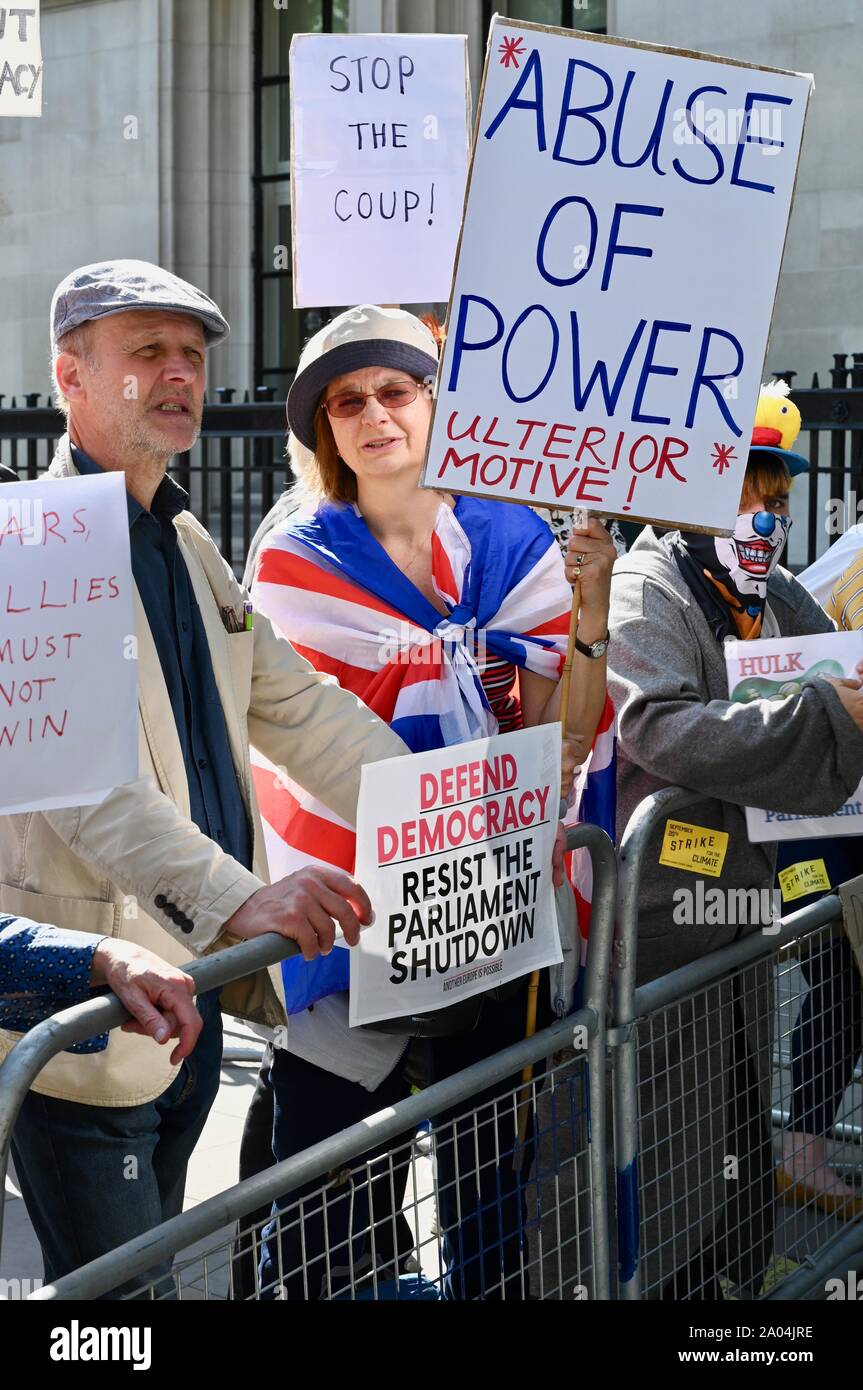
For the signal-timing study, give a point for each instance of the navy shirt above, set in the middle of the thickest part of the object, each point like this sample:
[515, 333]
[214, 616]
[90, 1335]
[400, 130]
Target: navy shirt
[42, 970]
[172, 610]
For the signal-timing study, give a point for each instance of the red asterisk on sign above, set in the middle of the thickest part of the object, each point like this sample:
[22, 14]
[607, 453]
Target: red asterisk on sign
[722, 456]
[510, 50]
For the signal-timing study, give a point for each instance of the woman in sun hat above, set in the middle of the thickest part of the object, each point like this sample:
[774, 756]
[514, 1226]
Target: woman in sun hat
[370, 555]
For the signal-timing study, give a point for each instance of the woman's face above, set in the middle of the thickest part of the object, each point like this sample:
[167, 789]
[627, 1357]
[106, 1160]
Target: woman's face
[380, 442]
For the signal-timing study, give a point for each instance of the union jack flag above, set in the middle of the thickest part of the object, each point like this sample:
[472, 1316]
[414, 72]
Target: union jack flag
[333, 591]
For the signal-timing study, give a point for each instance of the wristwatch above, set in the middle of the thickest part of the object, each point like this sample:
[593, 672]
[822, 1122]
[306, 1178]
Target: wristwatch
[593, 649]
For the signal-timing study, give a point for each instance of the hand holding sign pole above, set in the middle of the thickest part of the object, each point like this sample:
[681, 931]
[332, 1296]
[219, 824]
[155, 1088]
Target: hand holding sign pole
[580, 518]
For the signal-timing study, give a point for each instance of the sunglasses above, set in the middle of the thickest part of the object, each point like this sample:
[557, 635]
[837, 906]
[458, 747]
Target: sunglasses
[393, 396]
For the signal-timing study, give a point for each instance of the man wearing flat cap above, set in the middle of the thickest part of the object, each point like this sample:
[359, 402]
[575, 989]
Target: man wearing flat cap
[174, 861]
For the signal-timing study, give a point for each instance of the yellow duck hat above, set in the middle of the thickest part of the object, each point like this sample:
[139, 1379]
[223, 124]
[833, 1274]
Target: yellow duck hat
[777, 425]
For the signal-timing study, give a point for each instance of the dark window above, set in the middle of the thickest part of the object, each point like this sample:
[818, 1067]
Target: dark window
[590, 15]
[279, 329]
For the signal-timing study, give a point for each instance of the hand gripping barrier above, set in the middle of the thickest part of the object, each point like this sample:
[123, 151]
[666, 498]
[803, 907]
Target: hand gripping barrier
[133, 1260]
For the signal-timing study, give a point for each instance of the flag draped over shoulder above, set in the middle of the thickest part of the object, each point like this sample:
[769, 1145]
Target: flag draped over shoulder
[333, 591]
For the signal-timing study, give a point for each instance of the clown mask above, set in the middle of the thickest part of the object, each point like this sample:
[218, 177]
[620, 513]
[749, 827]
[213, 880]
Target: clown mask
[751, 554]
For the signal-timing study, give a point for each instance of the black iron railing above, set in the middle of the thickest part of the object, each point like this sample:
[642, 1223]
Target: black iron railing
[238, 467]
[824, 501]
[233, 474]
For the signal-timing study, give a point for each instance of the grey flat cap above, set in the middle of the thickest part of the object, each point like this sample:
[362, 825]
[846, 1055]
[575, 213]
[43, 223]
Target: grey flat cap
[112, 287]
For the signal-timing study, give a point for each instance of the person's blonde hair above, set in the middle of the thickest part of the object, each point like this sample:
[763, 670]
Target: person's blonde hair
[323, 476]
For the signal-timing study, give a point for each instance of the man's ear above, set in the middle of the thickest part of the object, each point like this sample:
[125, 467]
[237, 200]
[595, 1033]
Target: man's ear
[67, 370]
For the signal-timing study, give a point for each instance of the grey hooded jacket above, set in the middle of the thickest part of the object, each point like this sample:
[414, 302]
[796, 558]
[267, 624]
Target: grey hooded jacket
[705, 1068]
[668, 681]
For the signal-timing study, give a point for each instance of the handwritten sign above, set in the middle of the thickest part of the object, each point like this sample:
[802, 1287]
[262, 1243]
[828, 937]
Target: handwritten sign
[20, 60]
[379, 141]
[779, 668]
[454, 849]
[624, 226]
[68, 657]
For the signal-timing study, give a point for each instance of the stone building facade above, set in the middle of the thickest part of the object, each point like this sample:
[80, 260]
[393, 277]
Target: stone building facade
[164, 135]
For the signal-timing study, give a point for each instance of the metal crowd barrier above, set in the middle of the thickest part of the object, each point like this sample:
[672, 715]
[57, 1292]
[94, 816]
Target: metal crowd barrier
[358, 1210]
[693, 1220]
[359, 1214]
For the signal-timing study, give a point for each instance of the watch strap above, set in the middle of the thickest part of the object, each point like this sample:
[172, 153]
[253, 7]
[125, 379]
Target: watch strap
[586, 648]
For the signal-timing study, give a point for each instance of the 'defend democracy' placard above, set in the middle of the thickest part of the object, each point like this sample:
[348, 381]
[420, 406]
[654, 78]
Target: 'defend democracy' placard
[454, 849]
[624, 227]
[68, 653]
[379, 145]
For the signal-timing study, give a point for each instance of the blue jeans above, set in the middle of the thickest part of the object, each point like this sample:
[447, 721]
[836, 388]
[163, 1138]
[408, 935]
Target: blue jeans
[93, 1176]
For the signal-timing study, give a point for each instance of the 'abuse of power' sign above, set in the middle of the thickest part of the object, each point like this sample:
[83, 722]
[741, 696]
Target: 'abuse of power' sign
[624, 227]
[379, 146]
[454, 849]
[20, 60]
[68, 659]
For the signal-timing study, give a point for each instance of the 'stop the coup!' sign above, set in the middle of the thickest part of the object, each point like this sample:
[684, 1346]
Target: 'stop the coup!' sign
[624, 226]
[379, 145]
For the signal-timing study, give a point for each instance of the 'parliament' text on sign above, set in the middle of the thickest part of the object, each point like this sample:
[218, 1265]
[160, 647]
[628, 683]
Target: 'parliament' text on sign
[454, 849]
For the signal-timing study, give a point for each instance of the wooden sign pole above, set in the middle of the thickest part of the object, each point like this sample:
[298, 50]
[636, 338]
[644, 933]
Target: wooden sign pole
[533, 985]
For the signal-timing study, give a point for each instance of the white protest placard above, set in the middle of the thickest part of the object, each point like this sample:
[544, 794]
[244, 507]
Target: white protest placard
[20, 60]
[454, 849]
[777, 668]
[624, 227]
[68, 657]
[379, 144]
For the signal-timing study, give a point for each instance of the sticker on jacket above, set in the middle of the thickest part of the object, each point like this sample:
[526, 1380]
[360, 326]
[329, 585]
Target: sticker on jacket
[799, 880]
[694, 848]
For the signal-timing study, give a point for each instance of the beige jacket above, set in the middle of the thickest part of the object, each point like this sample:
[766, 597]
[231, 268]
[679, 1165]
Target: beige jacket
[103, 868]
